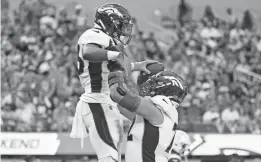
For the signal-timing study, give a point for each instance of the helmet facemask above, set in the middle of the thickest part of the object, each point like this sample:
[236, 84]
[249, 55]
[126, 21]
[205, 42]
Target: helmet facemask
[115, 21]
[122, 31]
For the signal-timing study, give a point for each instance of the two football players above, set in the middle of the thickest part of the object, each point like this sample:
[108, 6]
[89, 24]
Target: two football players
[97, 51]
[154, 113]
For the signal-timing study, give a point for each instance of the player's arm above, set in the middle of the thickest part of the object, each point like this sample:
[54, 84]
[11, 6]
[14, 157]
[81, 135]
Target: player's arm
[132, 102]
[95, 53]
[129, 115]
[142, 66]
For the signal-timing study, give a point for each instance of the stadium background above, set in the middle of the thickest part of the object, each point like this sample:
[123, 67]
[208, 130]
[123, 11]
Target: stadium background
[39, 84]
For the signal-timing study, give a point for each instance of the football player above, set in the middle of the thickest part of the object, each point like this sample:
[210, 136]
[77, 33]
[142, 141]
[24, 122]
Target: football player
[97, 49]
[181, 147]
[151, 135]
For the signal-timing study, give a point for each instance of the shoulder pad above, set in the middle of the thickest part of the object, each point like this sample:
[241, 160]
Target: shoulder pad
[95, 36]
[165, 105]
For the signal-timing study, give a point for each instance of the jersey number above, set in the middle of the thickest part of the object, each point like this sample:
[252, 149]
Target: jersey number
[171, 143]
[80, 63]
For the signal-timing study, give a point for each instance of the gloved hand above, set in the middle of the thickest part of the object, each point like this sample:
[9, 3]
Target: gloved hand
[142, 66]
[114, 66]
[120, 63]
[116, 77]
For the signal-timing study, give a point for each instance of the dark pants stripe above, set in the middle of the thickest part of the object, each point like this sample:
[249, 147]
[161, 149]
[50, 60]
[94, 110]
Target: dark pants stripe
[95, 71]
[171, 143]
[149, 142]
[101, 124]
[130, 138]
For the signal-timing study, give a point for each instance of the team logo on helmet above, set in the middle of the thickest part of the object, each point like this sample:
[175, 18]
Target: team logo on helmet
[174, 81]
[115, 21]
[165, 83]
[110, 11]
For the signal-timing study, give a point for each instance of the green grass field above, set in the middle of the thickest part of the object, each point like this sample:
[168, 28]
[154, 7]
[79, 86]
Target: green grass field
[143, 9]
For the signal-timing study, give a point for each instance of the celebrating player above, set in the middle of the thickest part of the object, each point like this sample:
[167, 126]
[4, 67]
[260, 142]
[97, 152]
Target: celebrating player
[97, 50]
[181, 147]
[151, 135]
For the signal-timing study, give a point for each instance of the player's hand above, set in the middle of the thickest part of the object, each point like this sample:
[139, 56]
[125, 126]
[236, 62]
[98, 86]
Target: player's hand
[142, 66]
[116, 77]
[125, 63]
[114, 66]
[120, 63]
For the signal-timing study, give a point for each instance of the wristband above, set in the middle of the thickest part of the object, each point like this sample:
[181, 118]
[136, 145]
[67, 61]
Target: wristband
[112, 55]
[135, 66]
[129, 101]
[132, 66]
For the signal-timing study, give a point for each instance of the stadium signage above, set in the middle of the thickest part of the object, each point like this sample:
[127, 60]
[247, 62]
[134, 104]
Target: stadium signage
[225, 144]
[20, 143]
[29, 143]
[62, 144]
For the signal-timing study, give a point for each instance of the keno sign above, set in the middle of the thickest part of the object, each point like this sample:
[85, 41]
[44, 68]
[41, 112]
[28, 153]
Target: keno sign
[29, 143]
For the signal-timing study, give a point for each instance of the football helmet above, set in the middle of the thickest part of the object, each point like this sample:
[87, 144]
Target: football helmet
[165, 83]
[115, 21]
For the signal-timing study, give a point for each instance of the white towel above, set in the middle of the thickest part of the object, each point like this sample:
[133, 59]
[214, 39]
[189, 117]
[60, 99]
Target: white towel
[78, 126]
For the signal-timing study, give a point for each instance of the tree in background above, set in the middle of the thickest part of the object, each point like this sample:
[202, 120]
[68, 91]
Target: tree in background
[232, 19]
[184, 12]
[209, 14]
[248, 20]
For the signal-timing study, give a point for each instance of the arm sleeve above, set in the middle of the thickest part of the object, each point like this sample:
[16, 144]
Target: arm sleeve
[93, 45]
[94, 36]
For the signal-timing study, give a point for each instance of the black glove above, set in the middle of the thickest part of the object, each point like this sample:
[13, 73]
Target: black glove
[114, 66]
[116, 77]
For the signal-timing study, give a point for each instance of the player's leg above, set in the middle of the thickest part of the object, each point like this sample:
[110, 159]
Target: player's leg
[133, 151]
[161, 158]
[103, 128]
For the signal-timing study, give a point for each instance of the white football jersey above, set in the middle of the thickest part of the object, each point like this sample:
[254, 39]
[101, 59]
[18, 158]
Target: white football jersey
[94, 75]
[152, 143]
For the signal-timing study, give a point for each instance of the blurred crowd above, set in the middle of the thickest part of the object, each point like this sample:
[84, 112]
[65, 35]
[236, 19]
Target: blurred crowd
[219, 58]
[40, 86]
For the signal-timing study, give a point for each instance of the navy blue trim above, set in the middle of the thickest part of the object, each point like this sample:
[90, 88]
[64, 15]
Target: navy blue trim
[150, 142]
[95, 71]
[101, 124]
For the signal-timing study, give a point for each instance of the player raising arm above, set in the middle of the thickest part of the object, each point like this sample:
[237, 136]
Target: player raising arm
[97, 51]
[151, 135]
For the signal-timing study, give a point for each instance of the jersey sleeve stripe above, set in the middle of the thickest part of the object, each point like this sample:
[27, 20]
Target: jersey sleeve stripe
[130, 137]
